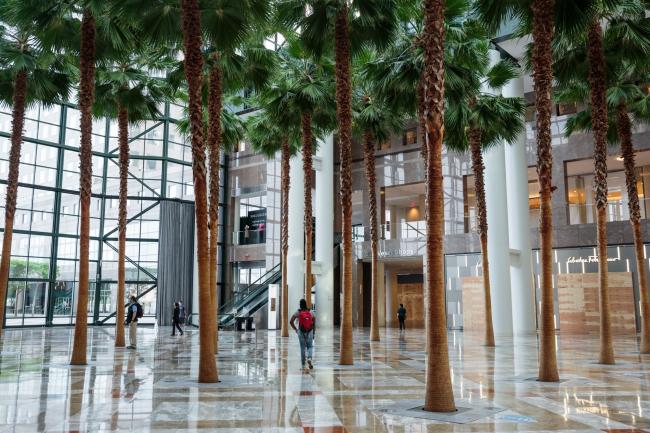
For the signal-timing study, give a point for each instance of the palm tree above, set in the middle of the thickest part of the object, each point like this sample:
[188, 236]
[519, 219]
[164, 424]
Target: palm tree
[597, 84]
[193, 73]
[538, 17]
[234, 58]
[86, 98]
[374, 120]
[406, 76]
[126, 91]
[30, 74]
[268, 135]
[233, 62]
[626, 43]
[476, 120]
[624, 18]
[439, 394]
[402, 73]
[86, 16]
[302, 92]
[341, 26]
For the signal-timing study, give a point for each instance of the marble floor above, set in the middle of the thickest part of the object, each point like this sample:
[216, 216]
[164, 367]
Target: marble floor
[263, 389]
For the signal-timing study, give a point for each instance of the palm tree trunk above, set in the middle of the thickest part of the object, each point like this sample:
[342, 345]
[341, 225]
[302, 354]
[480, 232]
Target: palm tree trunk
[123, 137]
[214, 147]
[543, 22]
[86, 96]
[307, 167]
[479, 186]
[369, 159]
[344, 115]
[17, 125]
[422, 123]
[193, 72]
[284, 236]
[598, 86]
[439, 395]
[627, 151]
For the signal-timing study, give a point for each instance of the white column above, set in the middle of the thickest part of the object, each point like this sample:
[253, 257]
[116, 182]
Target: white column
[391, 308]
[498, 245]
[324, 212]
[381, 294]
[295, 256]
[521, 276]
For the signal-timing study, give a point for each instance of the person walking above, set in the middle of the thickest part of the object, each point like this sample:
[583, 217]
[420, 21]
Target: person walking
[181, 314]
[176, 320]
[133, 313]
[401, 316]
[305, 330]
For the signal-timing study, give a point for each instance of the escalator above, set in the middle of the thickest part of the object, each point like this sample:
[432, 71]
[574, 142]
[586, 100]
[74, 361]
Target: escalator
[249, 300]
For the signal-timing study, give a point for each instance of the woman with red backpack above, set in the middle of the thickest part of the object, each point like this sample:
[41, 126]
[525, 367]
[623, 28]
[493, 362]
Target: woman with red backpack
[306, 325]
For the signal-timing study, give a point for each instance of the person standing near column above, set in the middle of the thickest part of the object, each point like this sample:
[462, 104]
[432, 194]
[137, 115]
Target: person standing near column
[134, 311]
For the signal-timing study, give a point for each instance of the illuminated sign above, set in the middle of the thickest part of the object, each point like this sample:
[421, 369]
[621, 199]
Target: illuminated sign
[589, 259]
[396, 253]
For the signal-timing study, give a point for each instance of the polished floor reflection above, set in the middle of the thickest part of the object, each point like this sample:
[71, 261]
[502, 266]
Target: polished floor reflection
[263, 388]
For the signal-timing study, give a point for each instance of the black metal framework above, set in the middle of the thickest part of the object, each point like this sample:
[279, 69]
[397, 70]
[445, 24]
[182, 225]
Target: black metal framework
[160, 169]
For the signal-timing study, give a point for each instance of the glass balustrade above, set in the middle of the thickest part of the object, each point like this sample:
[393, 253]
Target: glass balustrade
[617, 210]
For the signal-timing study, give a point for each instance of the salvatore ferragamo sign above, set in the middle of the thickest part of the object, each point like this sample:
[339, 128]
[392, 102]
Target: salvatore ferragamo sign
[589, 259]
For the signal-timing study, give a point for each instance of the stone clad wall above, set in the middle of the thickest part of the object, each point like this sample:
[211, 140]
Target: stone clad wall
[578, 303]
[473, 304]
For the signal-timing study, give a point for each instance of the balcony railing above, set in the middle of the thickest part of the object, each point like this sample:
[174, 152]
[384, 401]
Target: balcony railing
[579, 213]
[249, 237]
[388, 231]
[616, 211]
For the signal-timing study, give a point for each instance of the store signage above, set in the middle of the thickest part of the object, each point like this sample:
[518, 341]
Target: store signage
[396, 253]
[257, 217]
[589, 259]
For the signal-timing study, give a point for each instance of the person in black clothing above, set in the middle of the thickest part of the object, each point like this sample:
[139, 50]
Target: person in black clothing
[401, 315]
[176, 320]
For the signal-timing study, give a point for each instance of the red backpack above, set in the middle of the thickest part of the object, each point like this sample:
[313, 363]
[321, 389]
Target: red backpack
[305, 320]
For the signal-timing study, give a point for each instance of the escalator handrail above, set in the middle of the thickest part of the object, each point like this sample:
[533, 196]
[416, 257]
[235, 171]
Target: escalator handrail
[251, 290]
[256, 292]
[251, 287]
[228, 315]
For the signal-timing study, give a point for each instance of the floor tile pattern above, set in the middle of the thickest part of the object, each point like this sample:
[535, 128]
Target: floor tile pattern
[264, 390]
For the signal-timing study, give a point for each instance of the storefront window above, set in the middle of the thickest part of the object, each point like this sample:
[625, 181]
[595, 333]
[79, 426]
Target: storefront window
[580, 195]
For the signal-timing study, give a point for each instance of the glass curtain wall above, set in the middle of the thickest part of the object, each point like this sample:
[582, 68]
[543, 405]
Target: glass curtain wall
[44, 262]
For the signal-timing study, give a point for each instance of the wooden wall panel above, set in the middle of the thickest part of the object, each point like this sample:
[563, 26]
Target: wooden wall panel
[411, 295]
[578, 303]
